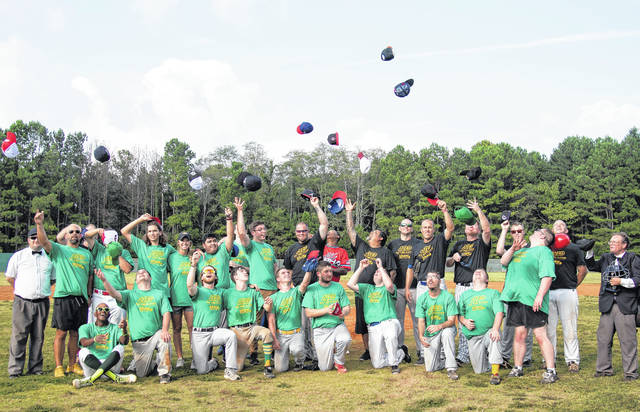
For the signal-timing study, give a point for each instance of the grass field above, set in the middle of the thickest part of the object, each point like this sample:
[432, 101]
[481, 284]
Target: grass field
[362, 388]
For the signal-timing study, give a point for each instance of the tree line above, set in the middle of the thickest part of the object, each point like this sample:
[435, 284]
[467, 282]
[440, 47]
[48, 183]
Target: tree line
[590, 183]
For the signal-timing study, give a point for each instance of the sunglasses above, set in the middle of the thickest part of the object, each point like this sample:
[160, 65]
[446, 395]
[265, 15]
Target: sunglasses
[34, 238]
[406, 225]
[104, 310]
[74, 231]
[208, 271]
[516, 231]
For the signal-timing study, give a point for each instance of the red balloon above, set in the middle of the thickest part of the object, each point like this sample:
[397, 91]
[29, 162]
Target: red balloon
[561, 241]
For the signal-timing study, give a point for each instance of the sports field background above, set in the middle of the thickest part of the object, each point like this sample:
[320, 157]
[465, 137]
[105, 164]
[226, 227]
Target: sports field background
[362, 388]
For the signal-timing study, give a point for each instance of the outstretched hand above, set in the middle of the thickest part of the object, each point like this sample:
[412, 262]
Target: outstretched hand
[39, 217]
[348, 206]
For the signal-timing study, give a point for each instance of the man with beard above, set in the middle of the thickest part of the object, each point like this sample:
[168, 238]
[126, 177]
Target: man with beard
[102, 349]
[74, 284]
[327, 304]
[468, 255]
[207, 329]
[371, 250]
[149, 313]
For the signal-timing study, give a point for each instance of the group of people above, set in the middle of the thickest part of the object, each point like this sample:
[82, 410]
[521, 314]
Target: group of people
[231, 293]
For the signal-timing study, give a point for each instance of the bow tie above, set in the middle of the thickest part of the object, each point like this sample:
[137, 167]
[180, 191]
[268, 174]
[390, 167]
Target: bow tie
[33, 252]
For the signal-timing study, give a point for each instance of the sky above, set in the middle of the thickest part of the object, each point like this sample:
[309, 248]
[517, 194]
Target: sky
[226, 72]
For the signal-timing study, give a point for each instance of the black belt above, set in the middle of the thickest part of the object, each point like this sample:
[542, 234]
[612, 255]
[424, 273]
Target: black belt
[244, 325]
[142, 339]
[39, 300]
[464, 284]
[205, 329]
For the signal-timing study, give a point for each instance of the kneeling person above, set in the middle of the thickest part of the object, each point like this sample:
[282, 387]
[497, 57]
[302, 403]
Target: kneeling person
[207, 306]
[285, 323]
[480, 313]
[327, 304]
[149, 315]
[436, 312]
[102, 349]
[243, 304]
[379, 303]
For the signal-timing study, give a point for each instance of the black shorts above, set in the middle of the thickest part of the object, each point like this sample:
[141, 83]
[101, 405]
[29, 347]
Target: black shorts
[69, 312]
[361, 324]
[519, 314]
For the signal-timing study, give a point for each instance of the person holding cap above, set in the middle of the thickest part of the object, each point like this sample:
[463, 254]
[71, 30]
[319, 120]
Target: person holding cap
[296, 256]
[179, 265]
[114, 262]
[469, 255]
[30, 274]
[152, 250]
[371, 250]
[74, 284]
[571, 270]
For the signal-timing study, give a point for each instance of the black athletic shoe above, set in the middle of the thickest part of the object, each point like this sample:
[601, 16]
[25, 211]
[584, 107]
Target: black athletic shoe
[527, 363]
[395, 370]
[313, 367]
[268, 372]
[298, 367]
[253, 359]
[365, 356]
[407, 357]
[420, 361]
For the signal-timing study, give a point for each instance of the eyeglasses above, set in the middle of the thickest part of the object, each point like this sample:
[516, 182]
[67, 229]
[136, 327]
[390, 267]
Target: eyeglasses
[513, 232]
[104, 310]
[406, 225]
[74, 231]
[302, 231]
[614, 242]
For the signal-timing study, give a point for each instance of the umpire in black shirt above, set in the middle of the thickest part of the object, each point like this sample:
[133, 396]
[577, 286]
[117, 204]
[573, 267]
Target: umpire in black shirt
[618, 305]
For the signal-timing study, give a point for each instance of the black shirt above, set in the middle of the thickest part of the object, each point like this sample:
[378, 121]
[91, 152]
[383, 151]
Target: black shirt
[364, 251]
[626, 298]
[567, 261]
[297, 253]
[474, 255]
[402, 250]
[431, 256]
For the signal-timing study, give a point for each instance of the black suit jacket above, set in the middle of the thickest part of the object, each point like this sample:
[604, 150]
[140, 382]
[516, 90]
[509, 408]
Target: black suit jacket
[626, 298]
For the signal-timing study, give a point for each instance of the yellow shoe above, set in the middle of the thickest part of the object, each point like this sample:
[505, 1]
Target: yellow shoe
[58, 372]
[76, 368]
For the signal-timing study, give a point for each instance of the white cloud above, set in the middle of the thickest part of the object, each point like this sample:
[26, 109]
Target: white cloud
[11, 78]
[55, 20]
[153, 11]
[237, 11]
[606, 118]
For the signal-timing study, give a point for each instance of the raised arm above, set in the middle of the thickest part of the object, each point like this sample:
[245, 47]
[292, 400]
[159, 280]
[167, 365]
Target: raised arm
[353, 281]
[61, 236]
[242, 230]
[484, 222]
[42, 235]
[228, 241]
[351, 230]
[502, 238]
[107, 286]
[448, 221]
[322, 218]
[192, 287]
[386, 279]
[90, 236]
[506, 258]
[126, 231]
[305, 283]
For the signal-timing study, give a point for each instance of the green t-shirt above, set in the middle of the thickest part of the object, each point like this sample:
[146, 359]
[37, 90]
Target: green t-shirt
[73, 267]
[145, 309]
[524, 272]
[481, 306]
[435, 311]
[101, 350]
[179, 267]
[112, 272]
[242, 306]
[241, 259]
[154, 259]
[287, 306]
[261, 257]
[378, 303]
[319, 297]
[220, 261]
[207, 304]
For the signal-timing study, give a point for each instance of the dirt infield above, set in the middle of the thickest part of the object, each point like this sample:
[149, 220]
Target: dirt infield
[590, 289]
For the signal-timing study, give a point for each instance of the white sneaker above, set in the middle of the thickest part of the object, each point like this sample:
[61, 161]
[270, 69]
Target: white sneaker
[126, 378]
[81, 383]
[231, 374]
[180, 363]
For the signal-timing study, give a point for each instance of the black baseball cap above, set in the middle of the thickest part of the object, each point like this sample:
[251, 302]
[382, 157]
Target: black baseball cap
[207, 236]
[183, 235]
[32, 232]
